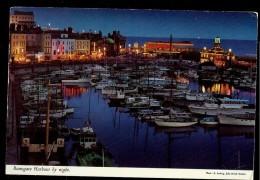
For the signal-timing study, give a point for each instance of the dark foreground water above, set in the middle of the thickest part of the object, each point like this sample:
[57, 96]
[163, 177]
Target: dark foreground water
[134, 143]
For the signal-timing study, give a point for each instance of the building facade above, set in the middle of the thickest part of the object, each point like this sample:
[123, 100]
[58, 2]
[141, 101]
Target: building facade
[82, 48]
[33, 42]
[18, 46]
[62, 47]
[46, 43]
[29, 42]
[219, 56]
[22, 19]
[118, 45]
[159, 46]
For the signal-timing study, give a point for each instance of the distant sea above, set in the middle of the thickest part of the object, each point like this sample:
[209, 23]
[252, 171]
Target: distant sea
[239, 47]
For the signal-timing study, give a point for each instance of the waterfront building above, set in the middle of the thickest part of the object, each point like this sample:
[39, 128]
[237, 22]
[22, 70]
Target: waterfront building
[247, 61]
[136, 48]
[170, 49]
[96, 42]
[219, 56]
[118, 45]
[82, 48]
[108, 48]
[46, 44]
[18, 46]
[62, 46]
[20, 19]
[159, 46]
[33, 43]
[28, 42]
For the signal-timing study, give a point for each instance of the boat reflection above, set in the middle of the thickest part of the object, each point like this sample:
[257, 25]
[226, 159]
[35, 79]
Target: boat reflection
[229, 131]
[70, 91]
[169, 130]
[174, 134]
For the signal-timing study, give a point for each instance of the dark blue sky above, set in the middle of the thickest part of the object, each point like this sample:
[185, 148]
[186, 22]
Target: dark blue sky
[151, 23]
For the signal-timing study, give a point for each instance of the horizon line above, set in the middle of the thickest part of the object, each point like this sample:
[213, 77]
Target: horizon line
[190, 38]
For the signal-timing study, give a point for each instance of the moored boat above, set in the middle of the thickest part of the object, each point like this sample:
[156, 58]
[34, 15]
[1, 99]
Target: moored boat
[209, 120]
[174, 123]
[97, 157]
[177, 119]
[76, 80]
[75, 132]
[197, 96]
[247, 119]
[221, 106]
[64, 131]
[118, 97]
[25, 121]
[92, 153]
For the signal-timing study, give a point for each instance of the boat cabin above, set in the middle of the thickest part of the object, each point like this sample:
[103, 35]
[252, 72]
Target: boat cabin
[25, 121]
[35, 138]
[87, 138]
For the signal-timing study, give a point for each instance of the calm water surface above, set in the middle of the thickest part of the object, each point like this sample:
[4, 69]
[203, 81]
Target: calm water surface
[135, 143]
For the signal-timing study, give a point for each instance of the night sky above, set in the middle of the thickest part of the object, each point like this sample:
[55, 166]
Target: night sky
[151, 23]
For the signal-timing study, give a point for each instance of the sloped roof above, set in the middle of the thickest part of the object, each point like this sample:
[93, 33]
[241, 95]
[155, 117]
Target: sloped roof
[111, 41]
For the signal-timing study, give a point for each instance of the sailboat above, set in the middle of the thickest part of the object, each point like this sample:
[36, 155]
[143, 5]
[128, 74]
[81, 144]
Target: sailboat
[92, 153]
[42, 139]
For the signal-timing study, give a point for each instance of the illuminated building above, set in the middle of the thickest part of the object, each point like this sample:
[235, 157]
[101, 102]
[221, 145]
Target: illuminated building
[118, 45]
[30, 42]
[62, 46]
[18, 46]
[159, 46]
[217, 55]
[46, 44]
[82, 48]
[19, 19]
[136, 48]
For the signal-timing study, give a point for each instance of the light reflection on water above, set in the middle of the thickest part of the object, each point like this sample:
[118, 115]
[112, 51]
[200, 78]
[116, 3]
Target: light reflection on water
[225, 89]
[135, 143]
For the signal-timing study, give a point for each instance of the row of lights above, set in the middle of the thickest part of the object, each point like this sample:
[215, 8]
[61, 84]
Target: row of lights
[229, 50]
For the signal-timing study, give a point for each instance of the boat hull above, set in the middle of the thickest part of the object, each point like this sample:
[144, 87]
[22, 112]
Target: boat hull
[215, 111]
[95, 159]
[174, 124]
[83, 80]
[209, 122]
[239, 121]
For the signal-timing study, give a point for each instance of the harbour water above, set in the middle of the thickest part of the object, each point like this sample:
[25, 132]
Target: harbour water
[135, 143]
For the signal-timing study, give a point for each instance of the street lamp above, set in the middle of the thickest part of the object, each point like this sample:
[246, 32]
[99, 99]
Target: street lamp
[58, 52]
[229, 55]
[104, 51]
[22, 54]
[129, 46]
[98, 52]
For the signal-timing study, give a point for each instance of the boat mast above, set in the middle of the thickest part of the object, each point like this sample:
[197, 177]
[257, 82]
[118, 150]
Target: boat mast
[103, 157]
[88, 120]
[47, 123]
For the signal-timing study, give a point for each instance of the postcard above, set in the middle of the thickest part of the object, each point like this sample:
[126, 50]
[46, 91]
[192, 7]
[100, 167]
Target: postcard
[131, 93]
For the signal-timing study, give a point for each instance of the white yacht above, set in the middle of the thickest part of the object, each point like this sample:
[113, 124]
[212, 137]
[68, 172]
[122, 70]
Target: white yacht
[221, 106]
[247, 119]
